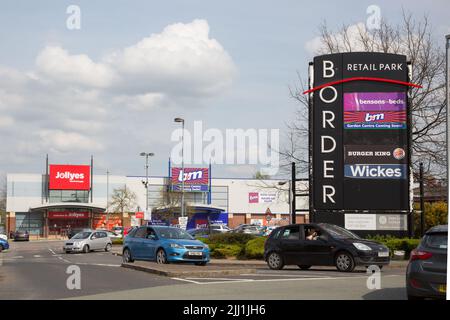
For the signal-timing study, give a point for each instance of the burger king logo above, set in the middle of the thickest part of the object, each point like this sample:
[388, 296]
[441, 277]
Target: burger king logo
[399, 153]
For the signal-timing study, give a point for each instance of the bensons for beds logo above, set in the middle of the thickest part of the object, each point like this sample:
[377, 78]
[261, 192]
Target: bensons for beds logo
[370, 171]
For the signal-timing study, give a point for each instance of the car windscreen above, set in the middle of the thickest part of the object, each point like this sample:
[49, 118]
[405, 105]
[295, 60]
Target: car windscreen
[436, 240]
[338, 232]
[82, 235]
[173, 233]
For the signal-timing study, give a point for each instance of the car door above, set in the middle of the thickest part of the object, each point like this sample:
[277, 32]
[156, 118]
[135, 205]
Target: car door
[105, 239]
[137, 243]
[291, 244]
[317, 250]
[149, 245]
[95, 242]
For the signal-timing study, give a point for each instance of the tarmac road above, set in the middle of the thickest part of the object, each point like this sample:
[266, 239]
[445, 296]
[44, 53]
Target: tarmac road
[37, 270]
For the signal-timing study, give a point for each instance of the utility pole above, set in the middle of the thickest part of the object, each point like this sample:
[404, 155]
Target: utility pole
[107, 198]
[422, 202]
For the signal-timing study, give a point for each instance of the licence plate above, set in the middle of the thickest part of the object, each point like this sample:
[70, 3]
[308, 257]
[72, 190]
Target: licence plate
[383, 254]
[195, 253]
[442, 288]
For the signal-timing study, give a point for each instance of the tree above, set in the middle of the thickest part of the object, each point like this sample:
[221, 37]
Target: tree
[411, 38]
[2, 201]
[122, 200]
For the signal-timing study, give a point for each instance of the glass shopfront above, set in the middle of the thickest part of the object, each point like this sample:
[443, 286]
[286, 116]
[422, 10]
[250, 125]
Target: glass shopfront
[33, 222]
[60, 221]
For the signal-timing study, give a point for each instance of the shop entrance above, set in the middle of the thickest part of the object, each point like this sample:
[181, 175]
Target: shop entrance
[60, 222]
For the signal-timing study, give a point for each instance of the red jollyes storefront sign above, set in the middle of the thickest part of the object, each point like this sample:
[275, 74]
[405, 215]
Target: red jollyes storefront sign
[68, 215]
[69, 177]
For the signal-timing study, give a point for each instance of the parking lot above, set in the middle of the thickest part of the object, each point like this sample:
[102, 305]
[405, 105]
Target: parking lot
[38, 270]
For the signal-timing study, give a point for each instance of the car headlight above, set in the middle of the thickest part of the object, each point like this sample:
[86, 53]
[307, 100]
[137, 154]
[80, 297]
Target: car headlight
[206, 246]
[176, 245]
[361, 246]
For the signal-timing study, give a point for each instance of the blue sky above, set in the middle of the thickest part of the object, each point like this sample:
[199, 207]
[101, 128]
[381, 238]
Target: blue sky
[265, 41]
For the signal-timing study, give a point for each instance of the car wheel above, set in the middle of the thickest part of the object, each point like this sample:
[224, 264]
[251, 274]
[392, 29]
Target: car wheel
[344, 262]
[203, 263]
[1, 248]
[108, 247]
[275, 261]
[86, 249]
[161, 257]
[304, 267]
[126, 256]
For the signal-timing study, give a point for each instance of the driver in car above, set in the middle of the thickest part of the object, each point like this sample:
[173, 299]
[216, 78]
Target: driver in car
[312, 235]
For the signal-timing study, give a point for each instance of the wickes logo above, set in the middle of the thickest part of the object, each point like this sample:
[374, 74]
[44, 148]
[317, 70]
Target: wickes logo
[374, 117]
[368, 171]
[72, 177]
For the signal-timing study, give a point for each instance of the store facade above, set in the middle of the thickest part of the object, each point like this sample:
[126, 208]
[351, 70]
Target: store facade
[72, 196]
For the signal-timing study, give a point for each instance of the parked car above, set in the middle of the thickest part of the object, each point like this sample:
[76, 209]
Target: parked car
[3, 236]
[87, 241]
[426, 274]
[73, 232]
[4, 245]
[322, 244]
[126, 231]
[248, 229]
[118, 230]
[202, 232]
[220, 228]
[163, 245]
[21, 235]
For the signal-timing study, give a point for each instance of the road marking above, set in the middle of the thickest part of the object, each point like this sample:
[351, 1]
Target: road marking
[37, 256]
[276, 280]
[186, 280]
[98, 264]
[53, 252]
[226, 279]
[284, 275]
[62, 259]
[17, 257]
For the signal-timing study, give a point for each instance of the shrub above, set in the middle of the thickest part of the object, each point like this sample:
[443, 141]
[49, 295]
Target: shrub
[254, 249]
[230, 238]
[117, 241]
[226, 250]
[392, 243]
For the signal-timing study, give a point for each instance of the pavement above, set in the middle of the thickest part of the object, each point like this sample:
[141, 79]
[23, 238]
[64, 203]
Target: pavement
[38, 270]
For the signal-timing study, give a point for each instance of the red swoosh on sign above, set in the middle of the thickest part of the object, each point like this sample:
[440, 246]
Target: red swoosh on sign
[409, 84]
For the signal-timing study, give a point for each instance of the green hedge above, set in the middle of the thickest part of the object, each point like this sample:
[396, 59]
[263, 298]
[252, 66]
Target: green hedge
[254, 249]
[405, 244]
[230, 238]
[117, 241]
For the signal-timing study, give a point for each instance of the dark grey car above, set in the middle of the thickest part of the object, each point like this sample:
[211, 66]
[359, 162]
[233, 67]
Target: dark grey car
[426, 275]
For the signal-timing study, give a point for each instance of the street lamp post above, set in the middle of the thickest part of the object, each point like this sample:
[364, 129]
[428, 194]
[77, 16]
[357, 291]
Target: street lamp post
[107, 198]
[182, 163]
[146, 155]
[447, 82]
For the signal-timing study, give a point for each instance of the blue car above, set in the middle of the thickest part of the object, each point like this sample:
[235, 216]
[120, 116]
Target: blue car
[164, 245]
[4, 245]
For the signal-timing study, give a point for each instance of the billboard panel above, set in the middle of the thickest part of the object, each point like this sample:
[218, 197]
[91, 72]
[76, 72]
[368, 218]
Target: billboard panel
[69, 177]
[195, 179]
[360, 137]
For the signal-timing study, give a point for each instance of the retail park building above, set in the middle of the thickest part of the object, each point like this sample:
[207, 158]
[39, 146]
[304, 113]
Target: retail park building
[67, 196]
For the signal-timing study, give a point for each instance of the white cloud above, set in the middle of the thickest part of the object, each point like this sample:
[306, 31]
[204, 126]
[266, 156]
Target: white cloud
[59, 65]
[73, 104]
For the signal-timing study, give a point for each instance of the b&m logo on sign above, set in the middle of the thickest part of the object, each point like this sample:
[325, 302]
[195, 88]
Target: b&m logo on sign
[69, 177]
[195, 179]
[253, 197]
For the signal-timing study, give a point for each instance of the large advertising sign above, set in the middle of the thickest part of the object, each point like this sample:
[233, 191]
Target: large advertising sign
[360, 134]
[195, 179]
[69, 177]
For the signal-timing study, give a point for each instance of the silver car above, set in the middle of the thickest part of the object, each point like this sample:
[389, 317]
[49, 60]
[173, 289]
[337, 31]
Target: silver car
[87, 241]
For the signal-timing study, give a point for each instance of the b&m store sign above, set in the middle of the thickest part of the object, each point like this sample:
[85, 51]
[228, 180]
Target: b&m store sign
[195, 179]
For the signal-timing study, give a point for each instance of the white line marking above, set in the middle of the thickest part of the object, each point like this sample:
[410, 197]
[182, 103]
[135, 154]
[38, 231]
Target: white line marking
[276, 280]
[98, 264]
[53, 252]
[17, 257]
[282, 275]
[37, 256]
[226, 279]
[185, 280]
